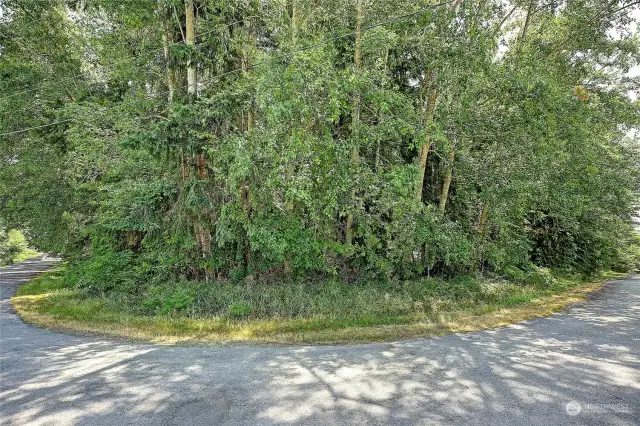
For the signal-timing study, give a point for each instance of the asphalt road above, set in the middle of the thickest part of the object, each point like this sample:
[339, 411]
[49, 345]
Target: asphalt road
[578, 367]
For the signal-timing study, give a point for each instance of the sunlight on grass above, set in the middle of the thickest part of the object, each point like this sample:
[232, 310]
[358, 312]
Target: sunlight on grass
[46, 302]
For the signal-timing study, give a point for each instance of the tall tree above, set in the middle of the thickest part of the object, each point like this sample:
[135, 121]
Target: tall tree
[190, 39]
[355, 117]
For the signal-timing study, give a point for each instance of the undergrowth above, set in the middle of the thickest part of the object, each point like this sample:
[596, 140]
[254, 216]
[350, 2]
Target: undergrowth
[328, 311]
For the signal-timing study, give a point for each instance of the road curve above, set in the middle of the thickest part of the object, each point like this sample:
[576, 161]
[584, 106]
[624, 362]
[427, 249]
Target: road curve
[578, 367]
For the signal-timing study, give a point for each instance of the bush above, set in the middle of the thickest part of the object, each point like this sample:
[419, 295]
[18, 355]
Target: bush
[629, 258]
[240, 309]
[106, 272]
[328, 299]
[534, 276]
[13, 247]
[169, 300]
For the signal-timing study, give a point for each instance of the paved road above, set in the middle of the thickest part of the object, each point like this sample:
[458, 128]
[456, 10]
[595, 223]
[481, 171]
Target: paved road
[524, 374]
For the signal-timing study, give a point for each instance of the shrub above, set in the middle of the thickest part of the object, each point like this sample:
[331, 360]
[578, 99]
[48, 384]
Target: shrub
[169, 299]
[240, 309]
[533, 275]
[13, 246]
[105, 272]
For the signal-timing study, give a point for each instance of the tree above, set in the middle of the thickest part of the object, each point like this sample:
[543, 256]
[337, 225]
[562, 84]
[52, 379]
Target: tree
[247, 140]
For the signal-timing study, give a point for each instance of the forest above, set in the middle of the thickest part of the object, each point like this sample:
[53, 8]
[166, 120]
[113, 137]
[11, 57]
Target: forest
[229, 156]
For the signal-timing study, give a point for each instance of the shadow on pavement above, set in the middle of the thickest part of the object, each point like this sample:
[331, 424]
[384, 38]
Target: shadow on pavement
[526, 373]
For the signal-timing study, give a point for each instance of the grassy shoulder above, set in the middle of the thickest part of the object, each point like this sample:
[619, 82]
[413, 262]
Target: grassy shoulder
[26, 254]
[299, 313]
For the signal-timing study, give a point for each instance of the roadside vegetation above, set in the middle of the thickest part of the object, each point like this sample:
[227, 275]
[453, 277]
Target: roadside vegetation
[328, 312]
[256, 168]
[13, 247]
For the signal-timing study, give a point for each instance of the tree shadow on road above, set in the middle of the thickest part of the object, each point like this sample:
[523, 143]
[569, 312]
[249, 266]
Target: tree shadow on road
[525, 373]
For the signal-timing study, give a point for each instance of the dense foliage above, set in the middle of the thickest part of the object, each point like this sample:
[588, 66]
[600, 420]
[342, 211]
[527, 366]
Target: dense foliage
[157, 141]
[13, 246]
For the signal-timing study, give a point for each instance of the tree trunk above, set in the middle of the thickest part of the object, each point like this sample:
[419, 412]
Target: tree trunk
[184, 169]
[294, 22]
[506, 17]
[167, 40]
[480, 246]
[444, 195]
[527, 21]
[192, 84]
[429, 80]
[249, 41]
[380, 114]
[202, 235]
[248, 52]
[428, 122]
[287, 265]
[355, 119]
